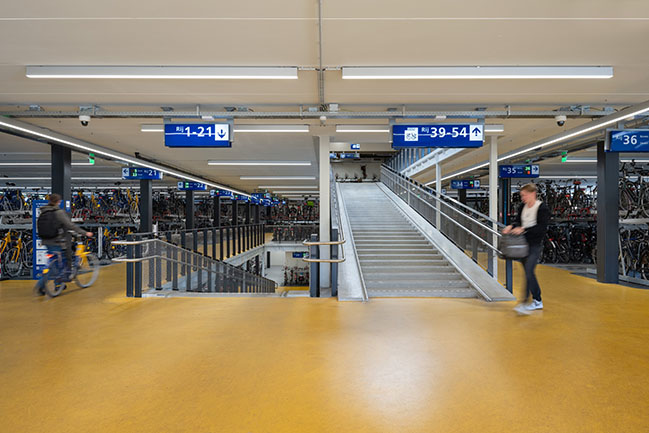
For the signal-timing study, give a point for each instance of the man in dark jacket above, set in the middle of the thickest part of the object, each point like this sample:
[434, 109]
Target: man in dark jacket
[62, 225]
[532, 220]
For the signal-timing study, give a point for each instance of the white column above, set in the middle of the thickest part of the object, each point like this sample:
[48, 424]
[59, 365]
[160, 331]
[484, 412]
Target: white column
[438, 186]
[493, 192]
[325, 211]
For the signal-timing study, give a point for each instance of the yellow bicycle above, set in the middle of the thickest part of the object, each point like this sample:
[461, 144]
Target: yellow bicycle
[84, 271]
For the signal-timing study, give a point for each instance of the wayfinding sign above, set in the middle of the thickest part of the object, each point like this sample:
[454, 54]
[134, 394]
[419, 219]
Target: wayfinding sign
[628, 140]
[197, 135]
[517, 171]
[454, 135]
[141, 173]
[192, 186]
[465, 184]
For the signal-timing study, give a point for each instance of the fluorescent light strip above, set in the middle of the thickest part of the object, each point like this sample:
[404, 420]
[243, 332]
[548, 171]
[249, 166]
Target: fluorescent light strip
[136, 162]
[570, 176]
[362, 128]
[277, 177]
[477, 72]
[295, 192]
[286, 187]
[72, 178]
[38, 164]
[264, 163]
[242, 128]
[163, 72]
[271, 128]
[599, 124]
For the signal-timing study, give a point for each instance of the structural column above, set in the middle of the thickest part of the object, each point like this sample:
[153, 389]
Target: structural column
[216, 219]
[189, 210]
[62, 173]
[146, 206]
[493, 195]
[325, 211]
[607, 214]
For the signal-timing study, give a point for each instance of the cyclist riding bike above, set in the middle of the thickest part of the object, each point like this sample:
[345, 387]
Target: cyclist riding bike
[54, 227]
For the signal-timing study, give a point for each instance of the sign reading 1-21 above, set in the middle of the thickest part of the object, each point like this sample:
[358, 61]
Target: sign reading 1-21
[197, 135]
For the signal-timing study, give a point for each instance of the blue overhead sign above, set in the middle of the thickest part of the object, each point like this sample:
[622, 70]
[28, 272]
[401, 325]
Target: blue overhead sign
[467, 135]
[192, 186]
[221, 193]
[629, 140]
[197, 135]
[517, 171]
[356, 146]
[141, 173]
[349, 155]
[465, 184]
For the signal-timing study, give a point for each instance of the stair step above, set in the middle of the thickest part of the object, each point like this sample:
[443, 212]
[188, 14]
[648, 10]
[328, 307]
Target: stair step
[422, 293]
[405, 278]
[371, 270]
[433, 284]
[392, 262]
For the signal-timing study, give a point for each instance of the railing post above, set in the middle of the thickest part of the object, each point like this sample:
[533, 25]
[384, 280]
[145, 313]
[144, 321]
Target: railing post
[227, 236]
[334, 266]
[137, 292]
[129, 267]
[509, 276]
[314, 276]
[206, 251]
[169, 263]
[214, 256]
[174, 255]
[221, 243]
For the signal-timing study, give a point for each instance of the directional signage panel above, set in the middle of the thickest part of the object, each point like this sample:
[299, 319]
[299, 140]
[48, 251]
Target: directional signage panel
[349, 155]
[356, 146]
[518, 171]
[629, 140]
[221, 193]
[243, 198]
[192, 186]
[141, 173]
[465, 184]
[197, 135]
[458, 135]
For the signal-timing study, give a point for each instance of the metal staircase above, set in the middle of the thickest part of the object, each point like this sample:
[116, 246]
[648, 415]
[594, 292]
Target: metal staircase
[396, 259]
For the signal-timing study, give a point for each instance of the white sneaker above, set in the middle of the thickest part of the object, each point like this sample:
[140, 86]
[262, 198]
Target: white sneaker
[521, 309]
[534, 305]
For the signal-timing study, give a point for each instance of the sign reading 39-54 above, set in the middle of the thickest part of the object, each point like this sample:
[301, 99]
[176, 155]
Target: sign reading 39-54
[458, 135]
[197, 135]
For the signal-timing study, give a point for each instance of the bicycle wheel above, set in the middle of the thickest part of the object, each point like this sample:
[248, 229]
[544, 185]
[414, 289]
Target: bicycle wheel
[644, 202]
[28, 254]
[53, 283]
[13, 262]
[87, 270]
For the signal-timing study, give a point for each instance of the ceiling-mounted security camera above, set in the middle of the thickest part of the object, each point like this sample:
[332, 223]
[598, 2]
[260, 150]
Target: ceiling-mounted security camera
[323, 120]
[561, 120]
[84, 119]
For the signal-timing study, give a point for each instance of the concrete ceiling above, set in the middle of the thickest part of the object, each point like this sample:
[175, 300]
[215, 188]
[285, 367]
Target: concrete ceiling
[285, 33]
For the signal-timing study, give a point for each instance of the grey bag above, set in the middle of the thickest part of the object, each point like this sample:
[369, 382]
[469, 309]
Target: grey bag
[514, 247]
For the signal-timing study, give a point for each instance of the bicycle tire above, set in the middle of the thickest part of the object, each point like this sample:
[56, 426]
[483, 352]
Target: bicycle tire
[643, 264]
[644, 203]
[13, 264]
[87, 271]
[53, 284]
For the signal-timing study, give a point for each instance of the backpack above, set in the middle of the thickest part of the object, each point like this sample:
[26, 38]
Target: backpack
[48, 225]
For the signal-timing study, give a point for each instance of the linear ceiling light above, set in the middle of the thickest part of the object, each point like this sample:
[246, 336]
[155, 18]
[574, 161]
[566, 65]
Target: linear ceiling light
[295, 192]
[476, 72]
[277, 177]
[240, 128]
[271, 128]
[362, 128]
[266, 163]
[163, 72]
[286, 187]
[39, 164]
[72, 178]
[77, 144]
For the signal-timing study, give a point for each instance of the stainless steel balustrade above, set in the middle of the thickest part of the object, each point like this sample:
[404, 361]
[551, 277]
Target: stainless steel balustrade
[470, 230]
[157, 264]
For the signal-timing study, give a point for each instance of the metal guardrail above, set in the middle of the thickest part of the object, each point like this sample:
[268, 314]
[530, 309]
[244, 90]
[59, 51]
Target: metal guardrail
[157, 264]
[467, 228]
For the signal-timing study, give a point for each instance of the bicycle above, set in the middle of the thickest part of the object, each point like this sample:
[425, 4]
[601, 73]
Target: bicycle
[84, 271]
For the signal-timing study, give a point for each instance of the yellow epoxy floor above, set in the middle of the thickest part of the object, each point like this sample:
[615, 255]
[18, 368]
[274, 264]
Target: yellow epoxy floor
[94, 361]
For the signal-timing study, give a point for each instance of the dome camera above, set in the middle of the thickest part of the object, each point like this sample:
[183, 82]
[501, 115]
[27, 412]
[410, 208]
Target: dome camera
[84, 119]
[561, 120]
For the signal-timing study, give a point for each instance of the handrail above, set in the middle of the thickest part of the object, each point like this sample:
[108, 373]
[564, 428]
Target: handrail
[439, 200]
[451, 199]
